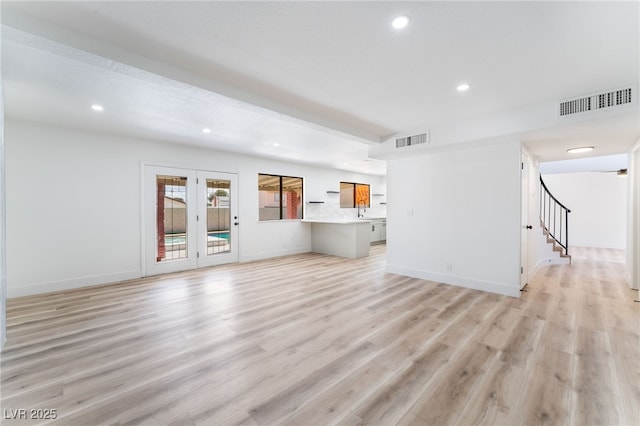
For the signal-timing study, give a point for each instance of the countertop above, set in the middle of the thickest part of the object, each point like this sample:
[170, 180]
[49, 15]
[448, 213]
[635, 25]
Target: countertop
[337, 221]
[343, 221]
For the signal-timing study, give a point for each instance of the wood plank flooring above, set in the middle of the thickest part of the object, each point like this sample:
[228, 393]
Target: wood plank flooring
[317, 340]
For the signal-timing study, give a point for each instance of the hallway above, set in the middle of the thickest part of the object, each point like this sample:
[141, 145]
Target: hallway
[593, 323]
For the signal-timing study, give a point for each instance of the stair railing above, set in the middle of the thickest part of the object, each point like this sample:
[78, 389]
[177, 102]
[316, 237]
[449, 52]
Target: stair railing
[554, 218]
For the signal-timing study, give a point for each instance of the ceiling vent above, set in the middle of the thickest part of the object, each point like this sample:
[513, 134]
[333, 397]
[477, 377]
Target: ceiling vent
[412, 140]
[598, 101]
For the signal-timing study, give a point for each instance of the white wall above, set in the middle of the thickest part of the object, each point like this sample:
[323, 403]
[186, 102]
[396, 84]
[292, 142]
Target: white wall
[3, 228]
[598, 204]
[3, 239]
[633, 224]
[74, 207]
[462, 208]
[474, 131]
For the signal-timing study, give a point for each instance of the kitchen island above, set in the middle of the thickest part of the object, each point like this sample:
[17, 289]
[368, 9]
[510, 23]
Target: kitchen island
[340, 237]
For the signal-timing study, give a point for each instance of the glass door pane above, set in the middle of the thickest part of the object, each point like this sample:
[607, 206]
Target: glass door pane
[218, 218]
[171, 218]
[218, 232]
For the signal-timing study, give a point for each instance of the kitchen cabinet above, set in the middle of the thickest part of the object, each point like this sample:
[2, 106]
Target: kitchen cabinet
[378, 230]
[345, 238]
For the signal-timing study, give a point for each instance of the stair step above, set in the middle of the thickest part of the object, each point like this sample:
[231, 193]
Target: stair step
[550, 240]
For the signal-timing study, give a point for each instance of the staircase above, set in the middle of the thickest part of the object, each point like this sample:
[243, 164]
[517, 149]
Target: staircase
[554, 220]
[556, 247]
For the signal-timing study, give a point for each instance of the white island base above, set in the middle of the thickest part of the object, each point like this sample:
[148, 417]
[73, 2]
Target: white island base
[346, 238]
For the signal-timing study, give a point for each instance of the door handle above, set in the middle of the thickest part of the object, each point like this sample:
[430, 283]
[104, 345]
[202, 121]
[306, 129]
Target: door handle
[235, 223]
[529, 227]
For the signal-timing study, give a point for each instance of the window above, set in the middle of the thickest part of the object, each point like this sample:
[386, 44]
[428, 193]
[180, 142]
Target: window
[280, 197]
[354, 194]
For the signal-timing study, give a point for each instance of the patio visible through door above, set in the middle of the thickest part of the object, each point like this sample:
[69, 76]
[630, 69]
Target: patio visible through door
[191, 219]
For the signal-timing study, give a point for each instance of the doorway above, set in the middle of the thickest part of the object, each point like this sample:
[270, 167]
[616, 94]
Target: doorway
[191, 219]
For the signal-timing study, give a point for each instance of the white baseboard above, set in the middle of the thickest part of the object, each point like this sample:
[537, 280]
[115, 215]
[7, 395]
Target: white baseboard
[548, 261]
[492, 287]
[274, 253]
[61, 285]
[600, 245]
[630, 281]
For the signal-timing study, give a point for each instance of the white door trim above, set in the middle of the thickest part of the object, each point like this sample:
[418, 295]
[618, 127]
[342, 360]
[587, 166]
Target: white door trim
[524, 219]
[197, 208]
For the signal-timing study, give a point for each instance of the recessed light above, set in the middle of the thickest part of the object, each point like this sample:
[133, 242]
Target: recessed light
[97, 107]
[463, 87]
[400, 22]
[580, 149]
[276, 144]
[346, 163]
[206, 130]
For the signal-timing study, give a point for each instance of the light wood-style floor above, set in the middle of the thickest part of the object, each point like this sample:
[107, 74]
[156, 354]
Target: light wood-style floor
[318, 340]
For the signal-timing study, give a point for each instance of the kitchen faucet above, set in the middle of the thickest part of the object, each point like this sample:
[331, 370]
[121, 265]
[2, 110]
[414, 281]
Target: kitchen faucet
[364, 208]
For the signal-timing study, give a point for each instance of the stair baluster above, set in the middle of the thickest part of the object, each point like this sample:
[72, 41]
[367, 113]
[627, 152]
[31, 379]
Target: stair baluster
[550, 221]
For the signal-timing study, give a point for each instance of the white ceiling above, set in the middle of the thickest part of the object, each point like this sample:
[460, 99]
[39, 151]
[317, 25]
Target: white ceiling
[607, 163]
[324, 80]
[57, 84]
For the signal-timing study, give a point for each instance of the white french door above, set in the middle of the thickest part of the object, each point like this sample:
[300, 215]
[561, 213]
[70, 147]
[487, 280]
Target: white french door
[217, 218]
[191, 219]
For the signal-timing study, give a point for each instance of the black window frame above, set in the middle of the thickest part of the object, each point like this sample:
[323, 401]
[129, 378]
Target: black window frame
[354, 201]
[280, 201]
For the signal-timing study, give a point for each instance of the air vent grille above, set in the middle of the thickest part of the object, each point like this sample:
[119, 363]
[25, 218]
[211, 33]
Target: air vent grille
[412, 140]
[595, 102]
